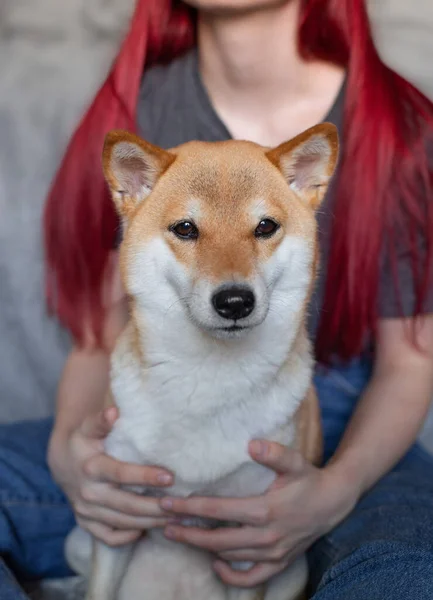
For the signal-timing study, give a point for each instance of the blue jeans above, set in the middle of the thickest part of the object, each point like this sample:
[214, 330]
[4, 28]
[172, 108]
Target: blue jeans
[34, 514]
[383, 550]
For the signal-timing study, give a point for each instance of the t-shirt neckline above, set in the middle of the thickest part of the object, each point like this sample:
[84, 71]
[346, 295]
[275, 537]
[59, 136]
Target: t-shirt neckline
[219, 127]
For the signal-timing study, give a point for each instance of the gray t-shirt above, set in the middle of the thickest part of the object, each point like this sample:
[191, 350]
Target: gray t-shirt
[174, 108]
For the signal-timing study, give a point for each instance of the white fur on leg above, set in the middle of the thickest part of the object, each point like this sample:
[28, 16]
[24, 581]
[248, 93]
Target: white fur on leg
[289, 584]
[162, 570]
[78, 551]
[244, 594]
[108, 568]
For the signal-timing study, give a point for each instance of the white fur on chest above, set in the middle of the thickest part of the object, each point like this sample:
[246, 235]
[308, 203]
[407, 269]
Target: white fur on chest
[192, 403]
[194, 409]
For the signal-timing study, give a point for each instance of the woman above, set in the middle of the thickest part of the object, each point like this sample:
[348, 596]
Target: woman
[263, 70]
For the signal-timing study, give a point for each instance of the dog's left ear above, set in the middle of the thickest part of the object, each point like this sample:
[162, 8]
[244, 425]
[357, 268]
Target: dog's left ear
[308, 161]
[132, 167]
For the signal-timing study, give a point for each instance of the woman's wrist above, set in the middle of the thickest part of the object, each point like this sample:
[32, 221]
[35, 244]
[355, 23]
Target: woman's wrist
[343, 491]
[57, 448]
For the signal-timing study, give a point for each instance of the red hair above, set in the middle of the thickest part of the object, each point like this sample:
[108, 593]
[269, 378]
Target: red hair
[80, 220]
[383, 192]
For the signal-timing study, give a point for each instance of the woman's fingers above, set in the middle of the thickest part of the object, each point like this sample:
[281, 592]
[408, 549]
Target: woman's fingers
[255, 576]
[117, 520]
[108, 535]
[105, 468]
[118, 509]
[128, 503]
[273, 554]
[277, 457]
[99, 425]
[222, 538]
[250, 511]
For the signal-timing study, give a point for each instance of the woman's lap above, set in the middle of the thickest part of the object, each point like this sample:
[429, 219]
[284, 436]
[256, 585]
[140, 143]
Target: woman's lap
[34, 514]
[9, 588]
[384, 549]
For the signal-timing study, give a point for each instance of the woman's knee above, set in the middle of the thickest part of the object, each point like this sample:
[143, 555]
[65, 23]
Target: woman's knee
[35, 516]
[9, 588]
[375, 571]
[27, 438]
[384, 548]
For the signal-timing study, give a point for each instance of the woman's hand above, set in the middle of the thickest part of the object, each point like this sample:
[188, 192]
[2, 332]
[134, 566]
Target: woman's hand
[303, 503]
[91, 480]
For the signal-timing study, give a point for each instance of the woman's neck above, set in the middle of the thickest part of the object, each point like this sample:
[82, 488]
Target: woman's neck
[251, 68]
[251, 53]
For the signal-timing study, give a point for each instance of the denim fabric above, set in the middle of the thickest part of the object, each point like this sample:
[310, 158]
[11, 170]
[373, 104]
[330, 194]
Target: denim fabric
[9, 588]
[34, 514]
[383, 550]
[338, 390]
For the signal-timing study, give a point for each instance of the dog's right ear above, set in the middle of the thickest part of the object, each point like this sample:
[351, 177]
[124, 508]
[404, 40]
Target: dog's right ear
[308, 162]
[132, 167]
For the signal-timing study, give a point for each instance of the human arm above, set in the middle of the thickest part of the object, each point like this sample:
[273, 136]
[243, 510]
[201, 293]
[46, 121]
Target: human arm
[392, 410]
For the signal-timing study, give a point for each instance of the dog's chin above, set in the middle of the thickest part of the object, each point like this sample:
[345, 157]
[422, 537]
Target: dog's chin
[230, 332]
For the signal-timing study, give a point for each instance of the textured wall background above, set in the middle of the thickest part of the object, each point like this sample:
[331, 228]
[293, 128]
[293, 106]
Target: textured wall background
[404, 35]
[54, 55]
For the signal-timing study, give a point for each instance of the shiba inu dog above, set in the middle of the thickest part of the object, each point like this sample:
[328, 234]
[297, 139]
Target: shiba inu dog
[218, 259]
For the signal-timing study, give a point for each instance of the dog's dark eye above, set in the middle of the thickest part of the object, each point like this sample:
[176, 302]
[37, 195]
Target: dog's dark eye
[186, 230]
[266, 228]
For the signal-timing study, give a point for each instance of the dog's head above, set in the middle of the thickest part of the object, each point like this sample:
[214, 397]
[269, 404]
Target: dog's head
[223, 231]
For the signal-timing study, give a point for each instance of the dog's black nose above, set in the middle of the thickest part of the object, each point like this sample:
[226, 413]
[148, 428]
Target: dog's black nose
[234, 303]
